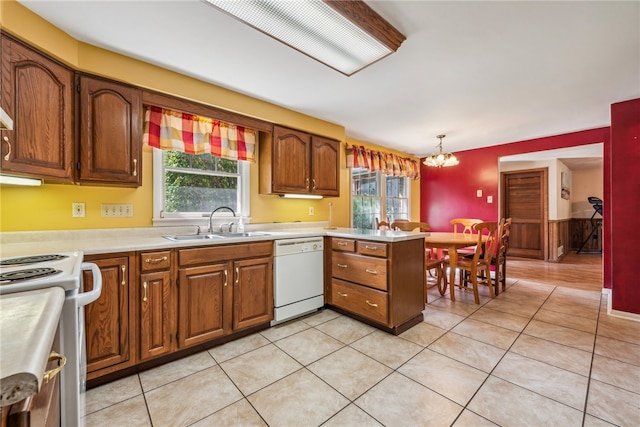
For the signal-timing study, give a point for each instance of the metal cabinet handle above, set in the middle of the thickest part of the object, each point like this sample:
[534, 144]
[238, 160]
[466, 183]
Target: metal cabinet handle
[144, 286]
[135, 167]
[314, 183]
[373, 248]
[342, 243]
[49, 375]
[342, 265]
[155, 260]
[343, 295]
[6, 139]
[237, 275]
[226, 276]
[371, 304]
[124, 268]
[307, 185]
[371, 271]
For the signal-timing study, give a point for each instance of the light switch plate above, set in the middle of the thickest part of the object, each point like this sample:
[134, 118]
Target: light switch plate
[479, 193]
[489, 199]
[311, 211]
[114, 210]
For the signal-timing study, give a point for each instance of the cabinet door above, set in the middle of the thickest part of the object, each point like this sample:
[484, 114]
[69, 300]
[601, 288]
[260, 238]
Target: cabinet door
[252, 292]
[204, 308]
[325, 166]
[37, 93]
[107, 318]
[110, 133]
[291, 161]
[155, 314]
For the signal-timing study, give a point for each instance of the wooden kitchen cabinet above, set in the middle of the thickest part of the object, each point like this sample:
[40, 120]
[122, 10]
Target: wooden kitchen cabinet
[110, 143]
[252, 292]
[378, 282]
[37, 93]
[108, 319]
[296, 162]
[154, 305]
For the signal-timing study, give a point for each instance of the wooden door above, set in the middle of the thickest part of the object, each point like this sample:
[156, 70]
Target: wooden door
[291, 161]
[155, 314]
[110, 133]
[252, 292]
[325, 166]
[204, 309]
[107, 318]
[524, 199]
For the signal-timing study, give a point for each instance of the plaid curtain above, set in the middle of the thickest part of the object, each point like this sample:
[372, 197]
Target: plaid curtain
[188, 133]
[387, 163]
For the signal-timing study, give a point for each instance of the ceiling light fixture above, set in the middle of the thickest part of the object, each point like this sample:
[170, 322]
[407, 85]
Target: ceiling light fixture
[441, 159]
[344, 35]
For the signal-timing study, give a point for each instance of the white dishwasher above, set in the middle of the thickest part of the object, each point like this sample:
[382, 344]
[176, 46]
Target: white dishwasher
[297, 277]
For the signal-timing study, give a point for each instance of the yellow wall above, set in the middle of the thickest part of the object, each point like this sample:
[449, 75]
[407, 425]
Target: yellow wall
[49, 207]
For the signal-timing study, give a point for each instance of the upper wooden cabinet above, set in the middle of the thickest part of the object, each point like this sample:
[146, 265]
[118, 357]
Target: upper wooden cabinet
[296, 162]
[110, 143]
[37, 93]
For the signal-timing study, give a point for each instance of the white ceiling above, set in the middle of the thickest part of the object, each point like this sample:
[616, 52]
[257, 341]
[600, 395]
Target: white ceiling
[484, 73]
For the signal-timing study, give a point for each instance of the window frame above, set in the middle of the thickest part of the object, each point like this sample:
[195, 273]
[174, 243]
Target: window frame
[382, 194]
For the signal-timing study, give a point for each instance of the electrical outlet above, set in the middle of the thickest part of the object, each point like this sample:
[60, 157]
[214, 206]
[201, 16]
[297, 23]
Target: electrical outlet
[489, 199]
[111, 210]
[77, 210]
[311, 211]
[478, 193]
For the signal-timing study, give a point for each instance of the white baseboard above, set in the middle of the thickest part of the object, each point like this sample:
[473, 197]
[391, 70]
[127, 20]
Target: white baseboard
[617, 313]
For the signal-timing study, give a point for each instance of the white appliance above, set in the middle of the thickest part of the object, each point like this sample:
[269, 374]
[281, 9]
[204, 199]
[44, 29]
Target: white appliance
[297, 277]
[65, 270]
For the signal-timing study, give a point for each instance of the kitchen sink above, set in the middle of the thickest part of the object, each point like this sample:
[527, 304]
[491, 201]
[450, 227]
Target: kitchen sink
[187, 237]
[243, 234]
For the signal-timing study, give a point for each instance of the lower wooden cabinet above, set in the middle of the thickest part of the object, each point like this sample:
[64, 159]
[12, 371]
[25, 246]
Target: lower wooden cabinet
[252, 292]
[155, 314]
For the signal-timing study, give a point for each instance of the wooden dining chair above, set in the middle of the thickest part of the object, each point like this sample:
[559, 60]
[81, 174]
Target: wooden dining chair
[405, 225]
[382, 225]
[478, 267]
[464, 225]
[499, 262]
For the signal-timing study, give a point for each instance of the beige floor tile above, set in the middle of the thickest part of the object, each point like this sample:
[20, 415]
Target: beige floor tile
[278, 332]
[612, 404]
[349, 371]
[445, 376]
[591, 421]
[440, 318]
[301, 399]
[319, 317]
[345, 329]
[561, 335]
[619, 329]
[534, 288]
[132, 412]
[466, 350]
[112, 393]
[616, 373]
[399, 401]
[523, 296]
[489, 334]
[388, 349]
[577, 307]
[309, 345]
[240, 413]
[525, 309]
[583, 324]
[619, 350]
[561, 356]
[466, 295]
[507, 404]
[240, 346]
[422, 334]
[259, 368]
[352, 416]
[500, 318]
[471, 419]
[555, 383]
[192, 398]
[456, 307]
[172, 371]
[578, 293]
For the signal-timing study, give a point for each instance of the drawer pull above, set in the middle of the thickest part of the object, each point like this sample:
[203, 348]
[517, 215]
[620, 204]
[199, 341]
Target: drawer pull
[342, 265]
[49, 375]
[144, 286]
[225, 276]
[372, 304]
[373, 248]
[8, 155]
[155, 260]
[371, 271]
[343, 295]
[135, 167]
[342, 243]
[237, 275]
[124, 268]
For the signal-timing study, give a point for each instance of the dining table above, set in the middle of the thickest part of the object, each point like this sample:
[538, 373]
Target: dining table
[452, 242]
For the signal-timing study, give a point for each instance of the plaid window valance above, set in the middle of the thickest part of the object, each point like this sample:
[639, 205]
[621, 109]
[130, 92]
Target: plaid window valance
[387, 163]
[189, 133]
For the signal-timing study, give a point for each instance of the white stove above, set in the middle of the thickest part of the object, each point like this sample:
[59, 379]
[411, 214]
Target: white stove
[64, 270]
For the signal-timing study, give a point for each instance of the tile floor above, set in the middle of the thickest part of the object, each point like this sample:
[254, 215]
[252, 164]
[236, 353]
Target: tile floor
[536, 355]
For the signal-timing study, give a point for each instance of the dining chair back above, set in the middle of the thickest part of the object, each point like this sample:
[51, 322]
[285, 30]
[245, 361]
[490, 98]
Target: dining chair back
[499, 262]
[464, 225]
[382, 225]
[405, 225]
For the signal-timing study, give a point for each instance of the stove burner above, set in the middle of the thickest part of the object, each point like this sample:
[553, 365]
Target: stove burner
[28, 273]
[31, 259]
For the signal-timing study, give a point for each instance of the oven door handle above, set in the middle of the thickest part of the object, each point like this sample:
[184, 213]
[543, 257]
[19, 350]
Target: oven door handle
[85, 298]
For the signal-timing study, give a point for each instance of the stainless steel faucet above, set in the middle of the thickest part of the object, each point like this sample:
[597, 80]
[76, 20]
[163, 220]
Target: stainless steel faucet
[216, 210]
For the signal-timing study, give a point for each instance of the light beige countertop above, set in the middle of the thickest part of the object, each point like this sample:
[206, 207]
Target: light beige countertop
[28, 323]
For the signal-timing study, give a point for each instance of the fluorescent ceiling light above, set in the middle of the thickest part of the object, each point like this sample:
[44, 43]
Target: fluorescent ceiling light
[301, 196]
[344, 35]
[18, 180]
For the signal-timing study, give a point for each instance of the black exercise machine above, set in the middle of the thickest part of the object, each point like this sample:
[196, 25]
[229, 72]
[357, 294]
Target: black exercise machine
[596, 204]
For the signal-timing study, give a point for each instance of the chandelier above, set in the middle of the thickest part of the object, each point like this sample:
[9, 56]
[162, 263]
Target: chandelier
[441, 159]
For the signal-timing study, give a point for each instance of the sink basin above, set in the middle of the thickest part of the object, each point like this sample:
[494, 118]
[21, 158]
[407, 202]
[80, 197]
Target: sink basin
[244, 234]
[187, 237]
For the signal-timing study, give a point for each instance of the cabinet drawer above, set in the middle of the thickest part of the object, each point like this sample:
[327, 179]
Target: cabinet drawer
[150, 261]
[361, 269]
[345, 245]
[361, 300]
[209, 254]
[372, 248]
